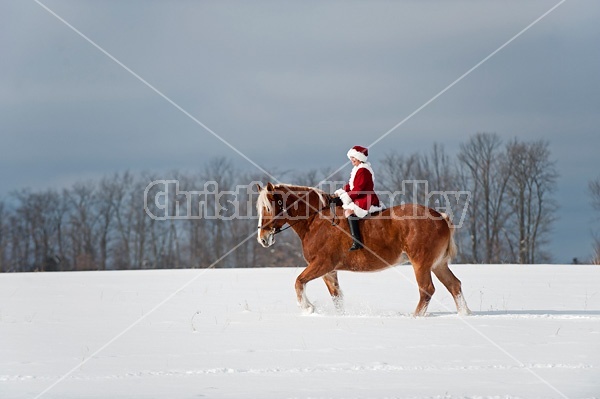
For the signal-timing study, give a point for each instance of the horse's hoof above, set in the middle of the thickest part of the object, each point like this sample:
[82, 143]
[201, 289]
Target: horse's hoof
[465, 312]
[310, 309]
[307, 308]
[339, 307]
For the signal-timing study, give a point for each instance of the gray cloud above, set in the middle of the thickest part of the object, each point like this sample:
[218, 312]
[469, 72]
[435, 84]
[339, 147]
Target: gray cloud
[297, 81]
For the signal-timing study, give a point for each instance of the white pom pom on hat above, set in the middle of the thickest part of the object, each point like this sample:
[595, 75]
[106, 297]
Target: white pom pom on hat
[358, 152]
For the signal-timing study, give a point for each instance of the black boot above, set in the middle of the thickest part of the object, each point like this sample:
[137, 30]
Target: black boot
[355, 232]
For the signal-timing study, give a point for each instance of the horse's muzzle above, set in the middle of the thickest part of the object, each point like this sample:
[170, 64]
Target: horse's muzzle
[267, 240]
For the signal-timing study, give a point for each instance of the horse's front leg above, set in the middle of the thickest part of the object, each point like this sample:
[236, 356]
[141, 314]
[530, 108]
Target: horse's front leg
[333, 285]
[310, 273]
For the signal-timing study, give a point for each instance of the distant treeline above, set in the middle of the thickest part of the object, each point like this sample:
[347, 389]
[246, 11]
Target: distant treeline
[102, 225]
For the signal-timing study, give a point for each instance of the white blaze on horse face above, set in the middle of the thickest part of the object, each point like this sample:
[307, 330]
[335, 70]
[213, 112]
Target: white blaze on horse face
[270, 239]
[260, 218]
[261, 232]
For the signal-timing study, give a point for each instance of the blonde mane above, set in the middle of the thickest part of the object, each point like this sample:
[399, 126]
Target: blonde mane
[263, 201]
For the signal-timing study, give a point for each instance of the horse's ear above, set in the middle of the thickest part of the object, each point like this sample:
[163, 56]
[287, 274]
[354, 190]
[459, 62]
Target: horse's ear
[270, 187]
[258, 187]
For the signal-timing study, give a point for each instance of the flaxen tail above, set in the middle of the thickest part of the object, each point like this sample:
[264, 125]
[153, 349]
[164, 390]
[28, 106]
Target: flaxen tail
[452, 250]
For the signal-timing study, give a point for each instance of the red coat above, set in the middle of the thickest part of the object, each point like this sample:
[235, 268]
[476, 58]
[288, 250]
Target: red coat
[361, 188]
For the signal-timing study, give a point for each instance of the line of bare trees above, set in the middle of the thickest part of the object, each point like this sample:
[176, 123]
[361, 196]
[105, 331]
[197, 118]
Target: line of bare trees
[103, 225]
[511, 208]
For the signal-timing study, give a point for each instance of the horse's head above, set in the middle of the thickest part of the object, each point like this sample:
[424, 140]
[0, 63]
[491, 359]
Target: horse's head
[271, 214]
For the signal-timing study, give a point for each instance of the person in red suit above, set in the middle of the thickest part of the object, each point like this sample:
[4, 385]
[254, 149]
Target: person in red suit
[358, 196]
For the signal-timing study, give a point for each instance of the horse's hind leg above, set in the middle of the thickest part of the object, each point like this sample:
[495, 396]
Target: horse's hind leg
[426, 288]
[333, 285]
[453, 284]
[310, 273]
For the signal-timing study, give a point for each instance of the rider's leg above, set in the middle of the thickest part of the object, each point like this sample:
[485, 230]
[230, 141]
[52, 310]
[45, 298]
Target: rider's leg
[355, 232]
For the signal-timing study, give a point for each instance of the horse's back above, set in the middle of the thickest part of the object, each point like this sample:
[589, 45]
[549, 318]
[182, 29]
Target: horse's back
[409, 215]
[388, 233]
[410, 225]
[412, 209]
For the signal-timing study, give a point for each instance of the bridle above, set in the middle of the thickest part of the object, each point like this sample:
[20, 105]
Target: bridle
[277, 230]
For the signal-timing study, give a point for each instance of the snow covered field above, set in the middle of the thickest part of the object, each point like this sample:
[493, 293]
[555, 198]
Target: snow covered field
[535, 333]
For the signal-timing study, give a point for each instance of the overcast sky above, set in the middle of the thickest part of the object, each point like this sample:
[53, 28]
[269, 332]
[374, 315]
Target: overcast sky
[293, 85]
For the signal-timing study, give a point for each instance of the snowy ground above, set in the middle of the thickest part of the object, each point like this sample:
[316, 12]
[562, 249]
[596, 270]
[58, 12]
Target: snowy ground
[535, 333]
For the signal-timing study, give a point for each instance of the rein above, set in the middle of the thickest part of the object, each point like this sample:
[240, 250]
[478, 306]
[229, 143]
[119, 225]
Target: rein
[331, 204]
[279, 230]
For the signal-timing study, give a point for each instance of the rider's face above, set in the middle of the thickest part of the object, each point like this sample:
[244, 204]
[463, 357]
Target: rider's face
[355, 162]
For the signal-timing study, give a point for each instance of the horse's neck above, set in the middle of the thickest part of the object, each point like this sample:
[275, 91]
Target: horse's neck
[301, 227]
[303, 210]
[304, 204]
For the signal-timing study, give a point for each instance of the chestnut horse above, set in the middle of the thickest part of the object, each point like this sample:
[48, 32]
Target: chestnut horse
[411, 231]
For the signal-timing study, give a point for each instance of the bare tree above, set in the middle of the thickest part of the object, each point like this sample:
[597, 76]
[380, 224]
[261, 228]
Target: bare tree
[82, 199]
[596, 251]
[485, 172]
[309, 178]
[438, 169]
[19, 244]
[412, 177]
[396, 168]
[3, 237]
[442, 177]
[24, 225]
[594, 191]
[140, 222]
[40, 216]
[211, 235]
[532, 181]
[107, 190]
[124, 221]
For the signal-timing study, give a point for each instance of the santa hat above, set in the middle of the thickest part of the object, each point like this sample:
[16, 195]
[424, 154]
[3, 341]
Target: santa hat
[358, 152]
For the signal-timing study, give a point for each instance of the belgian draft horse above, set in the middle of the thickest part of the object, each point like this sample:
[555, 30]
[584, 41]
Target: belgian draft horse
[410, 231]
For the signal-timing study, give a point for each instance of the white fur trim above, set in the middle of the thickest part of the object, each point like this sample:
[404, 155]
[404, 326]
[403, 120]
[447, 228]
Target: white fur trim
[345, 197]
[361, 213]
[356, 154]
[339, 192]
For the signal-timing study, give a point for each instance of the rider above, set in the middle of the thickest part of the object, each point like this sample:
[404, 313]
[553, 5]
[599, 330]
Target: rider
[358, 196]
